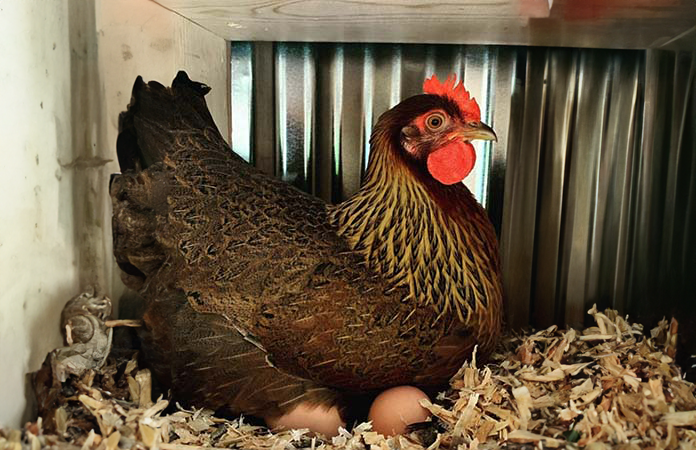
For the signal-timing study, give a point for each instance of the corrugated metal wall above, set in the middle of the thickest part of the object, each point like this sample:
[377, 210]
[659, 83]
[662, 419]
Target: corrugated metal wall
[592, 184]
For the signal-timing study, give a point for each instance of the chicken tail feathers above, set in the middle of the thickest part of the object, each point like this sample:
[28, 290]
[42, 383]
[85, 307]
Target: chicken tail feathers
[156, 116]
[159, 120]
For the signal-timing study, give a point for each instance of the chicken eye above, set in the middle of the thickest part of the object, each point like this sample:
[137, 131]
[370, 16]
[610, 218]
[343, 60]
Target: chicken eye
[435, 121]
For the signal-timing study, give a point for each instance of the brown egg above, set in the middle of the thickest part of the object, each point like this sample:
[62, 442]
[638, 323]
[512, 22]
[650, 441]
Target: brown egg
[316, 418]
[396, 408]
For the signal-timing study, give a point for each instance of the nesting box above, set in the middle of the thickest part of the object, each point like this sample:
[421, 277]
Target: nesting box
[591, 185]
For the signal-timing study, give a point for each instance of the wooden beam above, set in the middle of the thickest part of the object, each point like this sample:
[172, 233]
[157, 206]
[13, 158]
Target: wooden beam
[636, 24]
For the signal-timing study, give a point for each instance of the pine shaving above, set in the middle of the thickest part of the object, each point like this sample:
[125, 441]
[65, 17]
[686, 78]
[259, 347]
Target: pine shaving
[608, 386]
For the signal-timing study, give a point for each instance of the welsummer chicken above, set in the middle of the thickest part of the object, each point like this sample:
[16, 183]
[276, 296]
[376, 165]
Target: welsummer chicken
[262, 299]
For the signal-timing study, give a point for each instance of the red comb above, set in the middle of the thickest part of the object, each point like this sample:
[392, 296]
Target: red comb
[455, 91]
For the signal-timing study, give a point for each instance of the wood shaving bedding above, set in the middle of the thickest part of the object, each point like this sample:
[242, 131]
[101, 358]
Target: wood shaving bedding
[608, 386]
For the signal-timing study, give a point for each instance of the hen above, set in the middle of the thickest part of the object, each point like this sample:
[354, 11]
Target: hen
[260, 296]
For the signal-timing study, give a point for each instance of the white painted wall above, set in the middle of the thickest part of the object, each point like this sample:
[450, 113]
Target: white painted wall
[38, 265]
[66, 71]
[138, 37]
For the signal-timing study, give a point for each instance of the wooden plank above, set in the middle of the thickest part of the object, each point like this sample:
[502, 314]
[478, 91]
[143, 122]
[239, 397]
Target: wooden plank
[141, 38]
[134, 38]
[91, 162]
[565, 23]
[353, 20]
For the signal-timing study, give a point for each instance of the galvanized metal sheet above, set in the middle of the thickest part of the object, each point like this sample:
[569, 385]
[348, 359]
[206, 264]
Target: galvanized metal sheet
[592, 184]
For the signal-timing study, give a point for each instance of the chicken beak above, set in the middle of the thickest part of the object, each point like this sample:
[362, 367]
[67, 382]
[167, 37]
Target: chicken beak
[478, 131]
[484, 132]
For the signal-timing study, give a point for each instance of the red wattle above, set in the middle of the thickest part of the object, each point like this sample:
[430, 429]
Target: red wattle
[452, 163]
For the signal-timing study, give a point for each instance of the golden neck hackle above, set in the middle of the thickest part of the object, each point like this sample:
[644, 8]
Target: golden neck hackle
[406, 236]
